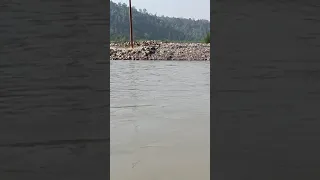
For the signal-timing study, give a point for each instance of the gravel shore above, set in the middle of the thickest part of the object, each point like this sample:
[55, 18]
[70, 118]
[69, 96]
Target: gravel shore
[154, 50]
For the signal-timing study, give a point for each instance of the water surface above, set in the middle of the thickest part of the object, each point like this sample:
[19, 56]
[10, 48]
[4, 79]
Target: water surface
[160, 120]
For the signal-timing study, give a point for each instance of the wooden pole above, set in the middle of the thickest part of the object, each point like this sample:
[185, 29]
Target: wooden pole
[130, 15]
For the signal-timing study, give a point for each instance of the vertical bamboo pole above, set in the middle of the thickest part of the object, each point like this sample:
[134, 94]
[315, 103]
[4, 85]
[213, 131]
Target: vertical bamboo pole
[130, 15]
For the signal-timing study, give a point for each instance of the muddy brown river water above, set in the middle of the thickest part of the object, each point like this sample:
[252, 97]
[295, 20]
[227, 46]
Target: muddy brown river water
[160, 113]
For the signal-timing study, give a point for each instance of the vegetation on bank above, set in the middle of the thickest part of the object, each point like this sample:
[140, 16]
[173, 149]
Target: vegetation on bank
[207, 38]
[125, 39]
[152, 27]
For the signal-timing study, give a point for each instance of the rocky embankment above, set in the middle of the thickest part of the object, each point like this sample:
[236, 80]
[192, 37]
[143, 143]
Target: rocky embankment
[153, 50]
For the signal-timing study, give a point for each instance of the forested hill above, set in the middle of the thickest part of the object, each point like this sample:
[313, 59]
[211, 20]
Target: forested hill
[151, 27]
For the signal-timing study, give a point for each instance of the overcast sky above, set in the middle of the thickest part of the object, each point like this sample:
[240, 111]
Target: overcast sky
[197, 9]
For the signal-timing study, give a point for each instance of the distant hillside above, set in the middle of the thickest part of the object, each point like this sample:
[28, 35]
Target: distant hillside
[152, 27]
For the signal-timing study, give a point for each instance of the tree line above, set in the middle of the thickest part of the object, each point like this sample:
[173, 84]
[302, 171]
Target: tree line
[147, 26]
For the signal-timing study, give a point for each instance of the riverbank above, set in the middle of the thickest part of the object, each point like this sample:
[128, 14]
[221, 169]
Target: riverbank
[154, 50]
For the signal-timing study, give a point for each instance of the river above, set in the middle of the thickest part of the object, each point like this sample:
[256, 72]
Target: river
[160, 117]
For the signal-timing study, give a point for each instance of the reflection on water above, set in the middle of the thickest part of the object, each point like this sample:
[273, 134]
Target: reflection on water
[160, 120]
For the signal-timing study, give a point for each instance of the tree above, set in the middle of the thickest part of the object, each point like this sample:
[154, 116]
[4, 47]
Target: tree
[148, 26]
[207, 38]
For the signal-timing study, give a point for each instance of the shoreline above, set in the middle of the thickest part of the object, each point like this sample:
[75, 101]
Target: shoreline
[157, 50]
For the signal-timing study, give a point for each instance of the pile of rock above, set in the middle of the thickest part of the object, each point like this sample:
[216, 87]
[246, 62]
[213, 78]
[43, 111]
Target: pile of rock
[141, 51]
[153, 50]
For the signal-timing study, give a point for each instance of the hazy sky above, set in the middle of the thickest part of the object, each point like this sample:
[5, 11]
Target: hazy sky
[197, 9]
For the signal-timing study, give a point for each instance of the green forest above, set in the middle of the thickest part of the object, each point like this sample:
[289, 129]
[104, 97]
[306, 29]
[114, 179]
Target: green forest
[147, 26]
